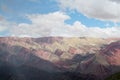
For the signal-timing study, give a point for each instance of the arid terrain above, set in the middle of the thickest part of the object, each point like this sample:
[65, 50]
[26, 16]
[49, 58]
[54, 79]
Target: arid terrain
[58, 58]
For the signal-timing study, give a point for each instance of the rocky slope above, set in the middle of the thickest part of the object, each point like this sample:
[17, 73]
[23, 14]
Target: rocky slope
[93, 58]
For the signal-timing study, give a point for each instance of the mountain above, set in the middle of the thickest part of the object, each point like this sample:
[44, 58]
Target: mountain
[58, 58]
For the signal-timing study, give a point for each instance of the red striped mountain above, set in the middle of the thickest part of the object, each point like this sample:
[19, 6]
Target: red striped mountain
[94, 56]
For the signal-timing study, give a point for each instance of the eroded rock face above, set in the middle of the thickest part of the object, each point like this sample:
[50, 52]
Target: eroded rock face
[115, 58]
[72, 50]
[112, 53]
[48, 40]
[58, 52]
[42, 54]
[105, 62]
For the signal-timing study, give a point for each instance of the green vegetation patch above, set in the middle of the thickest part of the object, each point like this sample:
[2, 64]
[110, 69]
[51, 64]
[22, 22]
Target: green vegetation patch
[115, 76]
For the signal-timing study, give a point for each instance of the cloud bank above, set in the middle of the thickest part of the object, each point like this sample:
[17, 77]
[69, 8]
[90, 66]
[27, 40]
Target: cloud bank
[105, 10]
[53, 24]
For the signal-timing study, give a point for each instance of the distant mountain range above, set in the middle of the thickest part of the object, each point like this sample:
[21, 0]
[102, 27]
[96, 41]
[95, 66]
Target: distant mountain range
[58, 58]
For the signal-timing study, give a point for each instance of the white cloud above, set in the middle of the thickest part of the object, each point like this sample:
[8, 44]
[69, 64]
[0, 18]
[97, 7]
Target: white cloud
[3, 24]
[98, 9]
[42, 24]
[53, 24]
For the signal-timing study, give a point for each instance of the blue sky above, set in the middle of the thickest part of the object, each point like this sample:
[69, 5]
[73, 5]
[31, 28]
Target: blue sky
[16, 12]
[17, 9]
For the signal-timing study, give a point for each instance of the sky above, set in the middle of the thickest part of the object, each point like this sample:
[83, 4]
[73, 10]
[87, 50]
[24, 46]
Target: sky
[65, 18]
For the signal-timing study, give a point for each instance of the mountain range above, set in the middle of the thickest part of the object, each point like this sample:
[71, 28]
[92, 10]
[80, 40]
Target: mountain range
[58, 58]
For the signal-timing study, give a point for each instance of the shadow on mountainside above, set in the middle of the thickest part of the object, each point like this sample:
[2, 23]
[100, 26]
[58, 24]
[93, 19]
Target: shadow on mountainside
[24, 72]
